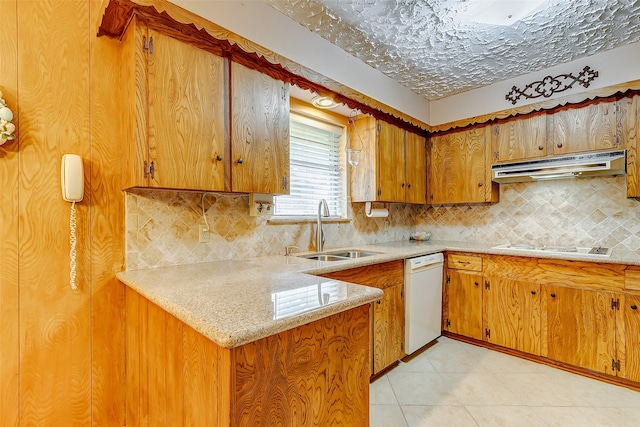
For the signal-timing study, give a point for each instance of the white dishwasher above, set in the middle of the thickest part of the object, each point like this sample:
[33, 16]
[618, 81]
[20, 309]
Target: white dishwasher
[423, 300]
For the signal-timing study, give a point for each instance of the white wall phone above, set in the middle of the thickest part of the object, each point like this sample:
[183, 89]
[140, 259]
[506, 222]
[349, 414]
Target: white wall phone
[72, 181]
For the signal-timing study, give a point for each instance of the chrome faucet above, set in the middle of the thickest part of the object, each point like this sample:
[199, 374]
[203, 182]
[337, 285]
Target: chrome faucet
[323, 211]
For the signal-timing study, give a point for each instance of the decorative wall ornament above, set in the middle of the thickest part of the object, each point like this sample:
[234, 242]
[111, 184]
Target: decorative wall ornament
[6, 127]
[550, 85]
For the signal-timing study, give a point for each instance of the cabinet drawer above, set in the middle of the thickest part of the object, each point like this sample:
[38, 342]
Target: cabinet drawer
[464, 262]
[632, 278]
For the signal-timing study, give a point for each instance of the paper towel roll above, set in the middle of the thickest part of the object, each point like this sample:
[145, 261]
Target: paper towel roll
[375, 212]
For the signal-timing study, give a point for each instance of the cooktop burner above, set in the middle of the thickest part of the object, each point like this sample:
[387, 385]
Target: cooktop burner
[594, 251]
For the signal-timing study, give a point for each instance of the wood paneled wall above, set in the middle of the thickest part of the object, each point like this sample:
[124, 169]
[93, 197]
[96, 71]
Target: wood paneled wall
[9, 361]
[61, 351]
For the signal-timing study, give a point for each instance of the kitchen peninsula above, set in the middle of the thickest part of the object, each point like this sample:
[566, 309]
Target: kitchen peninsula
[264, 340]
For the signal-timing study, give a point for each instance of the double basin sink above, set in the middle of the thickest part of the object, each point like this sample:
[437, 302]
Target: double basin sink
[339, 255]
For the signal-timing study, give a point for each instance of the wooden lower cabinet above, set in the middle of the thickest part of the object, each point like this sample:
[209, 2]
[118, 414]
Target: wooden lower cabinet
[578, 327]
[312, 375]
[629, 337]
[512, 314]
[463, 303]
[388, 328]
[387, 340]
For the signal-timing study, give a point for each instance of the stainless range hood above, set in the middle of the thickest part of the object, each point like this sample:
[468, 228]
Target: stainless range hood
[575, 166]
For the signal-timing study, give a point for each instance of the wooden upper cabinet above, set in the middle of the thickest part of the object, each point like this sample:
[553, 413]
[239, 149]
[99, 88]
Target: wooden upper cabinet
[392, 165]
[174, 98]
[259, 132]
[519, 139]
[459, 170]
[415, 149]
[512, 314]
[590, 128]
[578, 327]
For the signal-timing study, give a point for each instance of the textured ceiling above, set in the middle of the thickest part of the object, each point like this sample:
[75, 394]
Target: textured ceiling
[426, 46]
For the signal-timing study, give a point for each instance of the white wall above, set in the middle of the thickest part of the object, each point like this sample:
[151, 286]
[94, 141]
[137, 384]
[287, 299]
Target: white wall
[615, 66]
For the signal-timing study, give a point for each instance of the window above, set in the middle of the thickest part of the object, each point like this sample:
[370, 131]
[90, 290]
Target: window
[315, 169]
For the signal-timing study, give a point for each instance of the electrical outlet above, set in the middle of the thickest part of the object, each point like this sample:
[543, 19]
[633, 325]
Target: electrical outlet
[386, 224]
[203, 234]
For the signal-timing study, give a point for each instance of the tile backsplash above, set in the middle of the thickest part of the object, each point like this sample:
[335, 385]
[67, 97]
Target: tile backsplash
[577, 212]
[162, 229]
[162, 226]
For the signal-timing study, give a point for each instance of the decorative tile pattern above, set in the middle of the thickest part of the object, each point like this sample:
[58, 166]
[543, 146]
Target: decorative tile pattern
[581, 212]
[162, 226]
[162, 229]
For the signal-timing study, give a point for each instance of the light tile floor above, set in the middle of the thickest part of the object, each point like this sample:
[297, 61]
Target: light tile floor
[453, 384]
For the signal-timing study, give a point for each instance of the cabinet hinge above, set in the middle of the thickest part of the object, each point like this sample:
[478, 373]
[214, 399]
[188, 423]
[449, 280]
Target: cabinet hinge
[379, 191]
[284, 182]
[149, 169]
[448, 279]
[448, 323]
[496, 155]
[615, 365]
[487, 284]
[487, 333]
[616, 141]
[147, 44]
[379, 127]
[401, 294]
[496, 130]
[615, 304]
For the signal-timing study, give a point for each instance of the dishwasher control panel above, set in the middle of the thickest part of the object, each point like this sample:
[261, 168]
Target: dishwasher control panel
[425, 260]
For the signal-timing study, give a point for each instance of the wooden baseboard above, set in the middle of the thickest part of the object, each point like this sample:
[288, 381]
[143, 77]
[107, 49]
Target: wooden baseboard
[546, 361]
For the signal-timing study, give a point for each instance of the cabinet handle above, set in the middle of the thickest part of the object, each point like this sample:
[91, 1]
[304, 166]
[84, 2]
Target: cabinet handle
[218, 157]
[480, 184]
[540, 147]
[240, 161]
[378, 302]
[553, 295]
[464, 262]
[476, 283]
[402, 185]
[408, 185]
[634, 307]
[533, 292]
[559, 144]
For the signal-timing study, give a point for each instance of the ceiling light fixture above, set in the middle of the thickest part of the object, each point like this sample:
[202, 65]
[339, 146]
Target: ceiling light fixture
[500, 12]
[323, 102]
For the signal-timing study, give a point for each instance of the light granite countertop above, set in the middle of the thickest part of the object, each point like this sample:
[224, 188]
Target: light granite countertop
[239, 301]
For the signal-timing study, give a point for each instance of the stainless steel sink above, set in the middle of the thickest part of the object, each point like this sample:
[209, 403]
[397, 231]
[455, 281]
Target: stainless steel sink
[353, 254]
[339, 255]
[325, 257]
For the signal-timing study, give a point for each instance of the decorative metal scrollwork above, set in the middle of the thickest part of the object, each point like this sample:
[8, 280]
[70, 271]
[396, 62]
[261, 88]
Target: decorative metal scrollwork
[550, 85]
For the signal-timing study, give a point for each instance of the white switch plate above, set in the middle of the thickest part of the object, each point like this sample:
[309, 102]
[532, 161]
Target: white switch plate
[203, 234]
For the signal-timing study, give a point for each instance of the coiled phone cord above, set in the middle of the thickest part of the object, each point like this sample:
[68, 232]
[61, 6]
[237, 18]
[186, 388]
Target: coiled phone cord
[72, 251]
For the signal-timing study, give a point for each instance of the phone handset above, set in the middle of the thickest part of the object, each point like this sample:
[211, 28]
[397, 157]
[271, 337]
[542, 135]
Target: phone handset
[72, 179]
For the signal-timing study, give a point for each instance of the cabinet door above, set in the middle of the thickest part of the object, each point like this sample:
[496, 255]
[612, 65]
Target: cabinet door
[388, 328]
[391, 180]
[519, 139]
[588, 128]
[512, 314]
[464, 304]
[458, 172]
[415, 168]
[259, 132]
[578, 327]
[630, 307]
[186, 115]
